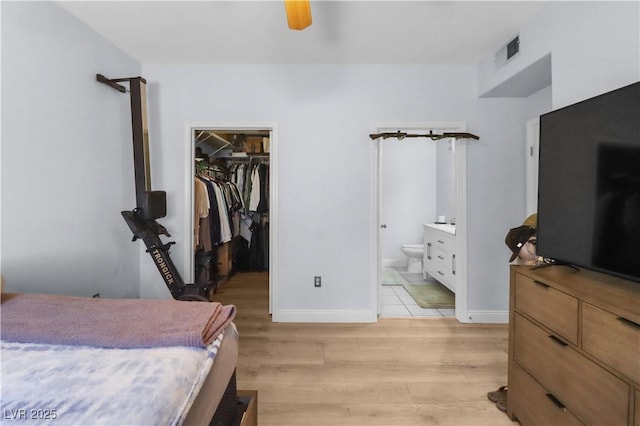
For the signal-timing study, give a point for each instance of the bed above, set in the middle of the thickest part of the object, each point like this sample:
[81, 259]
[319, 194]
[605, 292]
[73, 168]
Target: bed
[71, 360]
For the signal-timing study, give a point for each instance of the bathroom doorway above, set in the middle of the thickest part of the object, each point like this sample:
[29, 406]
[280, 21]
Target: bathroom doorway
[403, 207]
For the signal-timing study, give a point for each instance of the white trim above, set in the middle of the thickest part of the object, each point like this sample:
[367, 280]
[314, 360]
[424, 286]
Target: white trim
[488, 317]
[461, 230]
[188, 254]
[272, 127]
[324, 316]
[461, 208]
[273, 216]
[376, 251]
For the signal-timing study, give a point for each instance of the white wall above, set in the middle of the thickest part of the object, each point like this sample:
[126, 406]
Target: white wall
[495, 201]
[325, 157]
[594, 46]
[67, 167]
[536, 39]
[408, 193]
[75, 133]
[539, 103]
[445, 180]
[326, 176]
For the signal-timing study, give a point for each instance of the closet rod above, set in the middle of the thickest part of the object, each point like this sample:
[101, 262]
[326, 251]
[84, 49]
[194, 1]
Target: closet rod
[247, 158]
[433, 136]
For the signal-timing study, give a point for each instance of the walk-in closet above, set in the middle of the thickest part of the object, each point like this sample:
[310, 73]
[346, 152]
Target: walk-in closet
[231, 204]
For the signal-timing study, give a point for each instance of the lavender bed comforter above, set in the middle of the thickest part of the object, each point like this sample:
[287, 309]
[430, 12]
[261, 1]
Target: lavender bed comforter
[111, 323]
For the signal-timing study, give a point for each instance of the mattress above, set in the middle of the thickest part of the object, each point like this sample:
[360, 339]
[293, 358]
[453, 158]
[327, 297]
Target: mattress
[59, 384]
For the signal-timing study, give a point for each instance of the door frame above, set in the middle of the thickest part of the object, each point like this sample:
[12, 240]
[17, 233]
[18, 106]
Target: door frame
[532, 156]
[189, 155]
[461, 308]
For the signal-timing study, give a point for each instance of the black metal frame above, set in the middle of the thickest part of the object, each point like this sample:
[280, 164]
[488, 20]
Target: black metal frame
[151, 205]
[433, 136]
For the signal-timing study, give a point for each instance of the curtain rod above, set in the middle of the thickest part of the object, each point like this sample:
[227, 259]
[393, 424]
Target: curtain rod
[433, 136]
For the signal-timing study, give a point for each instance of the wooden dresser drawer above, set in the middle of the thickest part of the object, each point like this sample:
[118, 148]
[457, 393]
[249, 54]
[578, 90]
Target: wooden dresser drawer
[612, 340]
[555, 309]
[250, 416]
[594, 395]
[533, 405]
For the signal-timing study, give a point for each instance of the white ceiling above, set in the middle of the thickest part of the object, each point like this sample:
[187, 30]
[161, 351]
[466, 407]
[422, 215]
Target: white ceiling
[241, 31]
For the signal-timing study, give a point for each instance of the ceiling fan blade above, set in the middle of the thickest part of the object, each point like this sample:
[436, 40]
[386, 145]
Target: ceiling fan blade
[298, 13]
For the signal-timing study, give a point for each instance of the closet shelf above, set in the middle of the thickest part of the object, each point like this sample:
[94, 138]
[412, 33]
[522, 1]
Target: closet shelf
[211, 139]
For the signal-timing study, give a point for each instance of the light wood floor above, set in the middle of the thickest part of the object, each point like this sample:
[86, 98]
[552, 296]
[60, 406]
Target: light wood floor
[394, 372]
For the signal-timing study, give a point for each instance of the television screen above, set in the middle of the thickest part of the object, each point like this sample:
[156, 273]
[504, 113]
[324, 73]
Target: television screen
[589, 184]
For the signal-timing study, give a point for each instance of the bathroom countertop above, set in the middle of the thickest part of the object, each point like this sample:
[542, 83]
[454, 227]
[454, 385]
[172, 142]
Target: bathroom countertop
[445, 227]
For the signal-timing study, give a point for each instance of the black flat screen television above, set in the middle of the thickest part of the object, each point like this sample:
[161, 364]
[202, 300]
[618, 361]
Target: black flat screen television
[589, 184]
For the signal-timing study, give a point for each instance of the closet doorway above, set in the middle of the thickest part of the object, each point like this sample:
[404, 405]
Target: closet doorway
[459, 200]
[231, 169]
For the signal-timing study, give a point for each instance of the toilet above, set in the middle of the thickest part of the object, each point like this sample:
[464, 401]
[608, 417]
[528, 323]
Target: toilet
[414, 254]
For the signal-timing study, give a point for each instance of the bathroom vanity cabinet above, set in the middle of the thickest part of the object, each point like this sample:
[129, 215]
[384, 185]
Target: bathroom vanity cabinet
[439, 254]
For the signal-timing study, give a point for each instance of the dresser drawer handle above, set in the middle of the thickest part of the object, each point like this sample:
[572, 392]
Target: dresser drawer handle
[441, 242]
[556, 401]
[557, 340]
[540, 284]
[441, 273]
[440, 257]
[629, 322]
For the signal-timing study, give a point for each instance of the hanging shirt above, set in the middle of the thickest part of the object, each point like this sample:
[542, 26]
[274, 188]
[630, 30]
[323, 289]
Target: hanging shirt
[214, 214]
[201, 207]
[254, 197]
[263, 204]
[225, 229]
[246, 179]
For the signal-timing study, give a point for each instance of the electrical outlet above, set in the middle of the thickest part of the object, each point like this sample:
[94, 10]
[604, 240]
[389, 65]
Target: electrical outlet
[317, 281]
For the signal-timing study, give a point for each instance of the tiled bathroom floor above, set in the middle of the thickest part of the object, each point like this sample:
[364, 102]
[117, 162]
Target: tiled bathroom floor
[396, 302]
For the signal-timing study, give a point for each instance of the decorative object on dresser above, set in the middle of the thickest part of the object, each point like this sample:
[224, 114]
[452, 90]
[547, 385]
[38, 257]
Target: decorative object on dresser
[574, 348]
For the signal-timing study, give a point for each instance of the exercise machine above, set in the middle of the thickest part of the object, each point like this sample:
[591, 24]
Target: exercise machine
[151, 205]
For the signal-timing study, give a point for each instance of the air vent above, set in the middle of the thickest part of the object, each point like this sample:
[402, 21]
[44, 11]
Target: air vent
[513, 47]
[508, 51]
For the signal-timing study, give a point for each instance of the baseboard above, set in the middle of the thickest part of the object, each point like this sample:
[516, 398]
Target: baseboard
[489, 317]
[393, 263]
[324, 316]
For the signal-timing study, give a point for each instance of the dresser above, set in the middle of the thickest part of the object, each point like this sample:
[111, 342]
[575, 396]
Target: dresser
[439, 254]
[574, 348]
